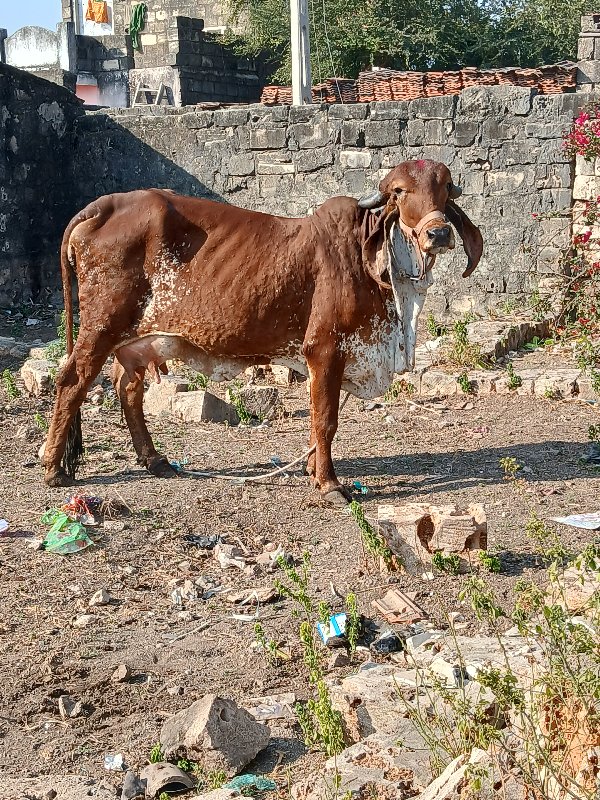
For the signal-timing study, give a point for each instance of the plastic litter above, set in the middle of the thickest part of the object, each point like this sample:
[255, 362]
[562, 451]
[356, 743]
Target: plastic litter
[64, 537]
[589, 522]
[333, 632]
[3, 525]
[255, 781]
[114, 761]
[203, 542]
[360, 487]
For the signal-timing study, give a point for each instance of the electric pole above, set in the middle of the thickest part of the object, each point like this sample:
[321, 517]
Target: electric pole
[301, 78]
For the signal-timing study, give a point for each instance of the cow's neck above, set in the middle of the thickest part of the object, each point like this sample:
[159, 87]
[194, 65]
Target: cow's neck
[408, 292]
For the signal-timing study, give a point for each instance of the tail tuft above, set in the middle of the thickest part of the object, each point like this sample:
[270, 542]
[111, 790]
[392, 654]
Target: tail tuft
[74, 449]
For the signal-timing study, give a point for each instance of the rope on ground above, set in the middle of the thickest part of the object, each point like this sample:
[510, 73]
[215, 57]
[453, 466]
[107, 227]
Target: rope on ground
[262, 477]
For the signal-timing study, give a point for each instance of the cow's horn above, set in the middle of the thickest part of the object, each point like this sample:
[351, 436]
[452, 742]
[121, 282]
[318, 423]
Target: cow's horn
[455, 192]
[372, 200]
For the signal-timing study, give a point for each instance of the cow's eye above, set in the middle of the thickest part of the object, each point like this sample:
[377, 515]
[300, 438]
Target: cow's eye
[449, 186]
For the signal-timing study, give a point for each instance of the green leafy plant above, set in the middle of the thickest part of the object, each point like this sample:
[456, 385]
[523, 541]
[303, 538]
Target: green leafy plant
[269, 646]
[489, 561]
[156, 754]
[434, 329]
[373, 542]
[40, 421]
[197, 380]
[594, 433]
[539, 306]
[448, 564]
[10, 386]
[510, 466]
[461, 352]
[56, 350]
[352, 621]
[551, 394]
[399, 388]
[545, 539]
[237, 401]
[536, 343]
[514, 380]
[465, 384]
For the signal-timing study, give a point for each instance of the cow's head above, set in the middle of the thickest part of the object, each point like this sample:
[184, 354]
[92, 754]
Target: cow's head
[414, 206]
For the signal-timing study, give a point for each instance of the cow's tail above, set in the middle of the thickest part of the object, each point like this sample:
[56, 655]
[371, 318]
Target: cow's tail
[74, 447]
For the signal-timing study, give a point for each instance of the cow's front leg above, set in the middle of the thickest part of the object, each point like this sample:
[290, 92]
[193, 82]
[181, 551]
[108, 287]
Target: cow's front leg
[131, 395]
[326, 366]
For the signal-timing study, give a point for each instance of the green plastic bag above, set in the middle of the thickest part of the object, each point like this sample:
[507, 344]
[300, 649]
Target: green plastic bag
[64, 537]
[255, 781]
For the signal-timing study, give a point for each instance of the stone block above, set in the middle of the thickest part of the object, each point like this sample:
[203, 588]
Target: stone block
[148, 39]
[433, 107]
[588, 72]
[261, 402]
[586, 187]
[240, 164]
[229, 117]
[309, 135]
[356, 159]
[202, 406]
[267, 138]
[36, 375]
[352, 133]
[414, 532]
[465, 132]
[382, 134]
[309, 160]
[216, 733]
[344, 112]
[560, 383]
[415, 132]
[274, 167]
[437, 131]
[389, 109]
[158, 396]
[436, 383]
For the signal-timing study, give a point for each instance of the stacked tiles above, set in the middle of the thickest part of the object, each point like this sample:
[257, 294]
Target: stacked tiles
[469, 77]
[527, 77]
[487, 77]
[434, 84]
[452, 83]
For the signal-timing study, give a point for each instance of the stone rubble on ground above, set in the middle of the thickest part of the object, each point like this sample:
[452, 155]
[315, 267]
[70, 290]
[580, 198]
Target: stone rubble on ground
[172, 396]
[416, 531]
[36, 375]
[216, 733]
[261, 402]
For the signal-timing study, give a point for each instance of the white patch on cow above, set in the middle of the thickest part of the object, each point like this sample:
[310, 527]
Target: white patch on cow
[163, 283]
[390, 348]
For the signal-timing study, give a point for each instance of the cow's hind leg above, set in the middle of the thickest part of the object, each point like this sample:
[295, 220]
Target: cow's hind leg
[326, 367]
[131, 394]
[72, 384]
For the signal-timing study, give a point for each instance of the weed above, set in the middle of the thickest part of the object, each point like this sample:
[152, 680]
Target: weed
[490, 561]
[536, 342]
[540, 306]
[40, 421]
[352, 621]
[269, 646]
[399, 388]
[514, 380]
[10, 386]
[164, 796]
[197, 381]
[510, 467]
[297, 589]
[56, 350]
[482, 600]
[465, 384]
[459, 350]
[372, 541]
[448, 564]
[545, 539]
[551, 394]
[594, 433]
[434, 329]
[156, 754]
[237, 401]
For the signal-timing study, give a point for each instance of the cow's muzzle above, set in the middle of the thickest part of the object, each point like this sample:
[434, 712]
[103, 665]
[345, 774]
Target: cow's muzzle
[437, 240]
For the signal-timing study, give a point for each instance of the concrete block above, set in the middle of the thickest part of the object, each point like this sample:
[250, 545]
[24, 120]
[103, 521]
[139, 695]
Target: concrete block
[202, 406]
[158, 396]
[36, 375]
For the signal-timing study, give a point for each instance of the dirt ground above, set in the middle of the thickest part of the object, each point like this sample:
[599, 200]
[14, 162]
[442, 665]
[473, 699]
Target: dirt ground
[445, 453]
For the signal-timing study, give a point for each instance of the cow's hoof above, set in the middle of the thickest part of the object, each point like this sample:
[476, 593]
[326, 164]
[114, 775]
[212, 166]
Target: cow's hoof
[160, 467]
[337, 497]
[58, 478]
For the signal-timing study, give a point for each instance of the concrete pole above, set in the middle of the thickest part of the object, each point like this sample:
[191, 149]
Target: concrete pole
[301, 78]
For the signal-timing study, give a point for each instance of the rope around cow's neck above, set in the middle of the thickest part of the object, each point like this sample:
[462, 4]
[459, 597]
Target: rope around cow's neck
[272, 474]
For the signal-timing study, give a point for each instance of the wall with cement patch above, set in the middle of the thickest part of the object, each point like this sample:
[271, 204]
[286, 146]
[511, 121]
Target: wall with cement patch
[36, 191]
[502, 144]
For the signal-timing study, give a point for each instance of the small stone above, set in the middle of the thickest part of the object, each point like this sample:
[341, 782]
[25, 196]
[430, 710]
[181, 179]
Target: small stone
[115, 525]
[36, 375]
[228, 555]
[69, 708]
[100, 598]
[216, 732]
[337, 660]
[83, 620]
[174, 690]
[449, 674]
[418, 640]
[133, 788]
[121, 674]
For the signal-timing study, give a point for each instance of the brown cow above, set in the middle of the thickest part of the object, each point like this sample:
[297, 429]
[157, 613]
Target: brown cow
[335, 295]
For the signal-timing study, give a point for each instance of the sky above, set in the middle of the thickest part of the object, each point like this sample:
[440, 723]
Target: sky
[18, 13]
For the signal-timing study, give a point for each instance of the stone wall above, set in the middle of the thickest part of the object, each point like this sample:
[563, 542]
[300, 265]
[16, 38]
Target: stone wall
[36, 190]
[502, 144]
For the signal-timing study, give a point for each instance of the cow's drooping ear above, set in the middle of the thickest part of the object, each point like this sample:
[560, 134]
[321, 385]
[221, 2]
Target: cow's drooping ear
[469, 233]
[373, 200]
[374, 251]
